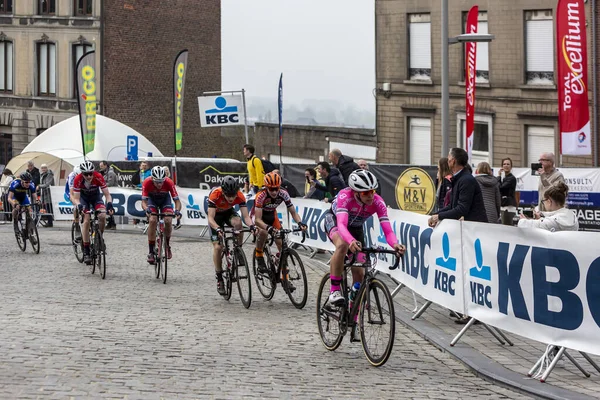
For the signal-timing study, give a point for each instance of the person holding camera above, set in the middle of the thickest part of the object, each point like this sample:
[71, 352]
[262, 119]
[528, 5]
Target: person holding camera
[556, 216]
[549, 176]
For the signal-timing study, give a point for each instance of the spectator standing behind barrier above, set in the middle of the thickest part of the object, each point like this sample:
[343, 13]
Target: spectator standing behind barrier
[362, 164]
[549, 176]
[46, 180]
[141, 174]
[466, 198]
[332, 179]
[287, 185]
[344, 164]
[5, 181]
[443, 184]
[34, 172]
[311, 191]
[256, 172]
[556, 217]
[490, 190]
[508, 187]
[110, 177]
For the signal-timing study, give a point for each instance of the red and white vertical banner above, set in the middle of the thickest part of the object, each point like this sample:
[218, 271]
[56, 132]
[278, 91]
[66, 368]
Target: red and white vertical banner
[470, 76]
[573, 111]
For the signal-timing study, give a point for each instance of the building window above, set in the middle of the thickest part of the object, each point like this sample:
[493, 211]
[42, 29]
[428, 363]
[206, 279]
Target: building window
[79, 49]
[6, 6]
[46, 62]
[540, 139]
[419, 33]
[83, 7]
[46, 7]
[419, 142]
[5, 148]
[539, 47]
[6, 66]
[482, 60]
[482, 138]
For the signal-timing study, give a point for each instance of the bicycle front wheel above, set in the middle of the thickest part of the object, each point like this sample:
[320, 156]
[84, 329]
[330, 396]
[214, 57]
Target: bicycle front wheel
[77, 241]
[158, 256]
[242, 275]
[163, 271]
[294, 278]
[377, 322]
[19, 235]
[328, 318]
[227, 275]
[265, 284]
[34, 237]
[100, 255]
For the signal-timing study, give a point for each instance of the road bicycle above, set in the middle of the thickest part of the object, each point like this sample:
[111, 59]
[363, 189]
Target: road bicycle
[97, 245]
[160, 247]
[25, 229]
[286, 269]
[235, 266]
[373, 305]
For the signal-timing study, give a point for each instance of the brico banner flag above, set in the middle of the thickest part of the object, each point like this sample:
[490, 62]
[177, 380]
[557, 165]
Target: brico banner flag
[470, 76]
[86, 97]
[179, 72]
[573, 111]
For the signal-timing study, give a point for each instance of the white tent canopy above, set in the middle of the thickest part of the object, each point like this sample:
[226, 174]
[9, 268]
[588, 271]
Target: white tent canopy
[60, 146]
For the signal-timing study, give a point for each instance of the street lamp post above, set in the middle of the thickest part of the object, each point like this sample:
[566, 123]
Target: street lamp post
[446, 42]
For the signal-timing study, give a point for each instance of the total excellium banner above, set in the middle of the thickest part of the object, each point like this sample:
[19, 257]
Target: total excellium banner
[86, 97]
[573, 111]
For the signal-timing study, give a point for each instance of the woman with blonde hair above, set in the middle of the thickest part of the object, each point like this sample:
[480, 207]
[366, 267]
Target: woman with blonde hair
[443, 183]
[490, 189]
[556, 216]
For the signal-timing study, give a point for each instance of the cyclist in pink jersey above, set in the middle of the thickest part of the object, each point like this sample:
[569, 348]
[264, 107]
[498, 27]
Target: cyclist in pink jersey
[344, 226]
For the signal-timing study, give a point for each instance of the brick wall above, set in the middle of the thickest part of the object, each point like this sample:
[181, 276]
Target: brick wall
[141, 41]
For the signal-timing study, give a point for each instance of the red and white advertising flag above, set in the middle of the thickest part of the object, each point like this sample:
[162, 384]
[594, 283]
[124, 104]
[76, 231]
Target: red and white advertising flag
[470, 76]
[573, 111]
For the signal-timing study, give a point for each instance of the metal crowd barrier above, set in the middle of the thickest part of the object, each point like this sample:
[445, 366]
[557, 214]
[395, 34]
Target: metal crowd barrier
[42, 213]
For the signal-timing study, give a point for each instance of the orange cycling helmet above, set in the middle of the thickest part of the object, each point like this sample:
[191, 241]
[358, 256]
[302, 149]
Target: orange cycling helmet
[272, 180]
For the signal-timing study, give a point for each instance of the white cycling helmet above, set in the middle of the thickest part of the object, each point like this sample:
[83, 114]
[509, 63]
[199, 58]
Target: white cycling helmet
[77, 170]
[158, 173]
[86, 166]
[362, 180]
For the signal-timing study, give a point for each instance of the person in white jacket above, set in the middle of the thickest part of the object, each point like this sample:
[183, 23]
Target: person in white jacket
[556, 216]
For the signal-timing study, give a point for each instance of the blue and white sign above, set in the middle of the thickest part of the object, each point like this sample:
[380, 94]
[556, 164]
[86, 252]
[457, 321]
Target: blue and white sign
[221, 110]
[132, 147]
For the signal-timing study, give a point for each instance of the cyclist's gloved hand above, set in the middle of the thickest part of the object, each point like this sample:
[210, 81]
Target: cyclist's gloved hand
[178, 213]
[80, 207]
[302, 226]
[400, 248]
[148, 211]
[270, 230]
[109, 206]
[355, 246]
[220, 232]
[253, 229]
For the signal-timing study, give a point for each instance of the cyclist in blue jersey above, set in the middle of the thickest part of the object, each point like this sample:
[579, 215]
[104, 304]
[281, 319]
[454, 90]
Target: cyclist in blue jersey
[19, 193]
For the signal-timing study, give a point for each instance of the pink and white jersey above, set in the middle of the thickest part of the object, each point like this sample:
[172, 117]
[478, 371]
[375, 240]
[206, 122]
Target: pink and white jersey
[351, 213]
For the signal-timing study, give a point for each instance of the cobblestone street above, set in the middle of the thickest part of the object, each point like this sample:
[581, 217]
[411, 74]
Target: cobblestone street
[67, 333]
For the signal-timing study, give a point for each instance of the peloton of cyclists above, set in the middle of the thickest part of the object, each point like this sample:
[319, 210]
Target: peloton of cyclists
[158, 195]
[88, 188]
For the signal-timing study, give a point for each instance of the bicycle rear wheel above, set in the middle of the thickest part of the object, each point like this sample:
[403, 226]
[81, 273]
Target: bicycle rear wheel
[294, 281]
[242, 275]
[100, 254]
[329, 318]
[77, 241]
[158, 256]
[163, 271]
[265, 284]
[377, 322]
[34, 237]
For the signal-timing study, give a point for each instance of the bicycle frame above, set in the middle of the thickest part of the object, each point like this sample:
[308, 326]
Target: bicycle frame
[281, 234]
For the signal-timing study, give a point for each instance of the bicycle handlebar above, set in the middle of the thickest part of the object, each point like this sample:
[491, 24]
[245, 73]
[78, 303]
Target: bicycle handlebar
[372, 250]
[282, 232]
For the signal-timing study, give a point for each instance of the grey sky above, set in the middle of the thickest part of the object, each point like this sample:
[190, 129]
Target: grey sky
[325, 49]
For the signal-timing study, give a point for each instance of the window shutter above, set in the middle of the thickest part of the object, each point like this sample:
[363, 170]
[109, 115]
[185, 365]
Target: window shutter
[420, 141]
[540, 45]
[482, 48]
[540, 139]
[420, 42]
[9, 66]
[52, 68]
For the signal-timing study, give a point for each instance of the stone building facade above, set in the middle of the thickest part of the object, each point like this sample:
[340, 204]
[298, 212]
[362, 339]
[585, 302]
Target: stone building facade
[516, 108]
[136, 43]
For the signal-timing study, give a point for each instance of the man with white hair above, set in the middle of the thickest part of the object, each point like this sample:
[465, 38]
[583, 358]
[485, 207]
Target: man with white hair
[46, 181]
[34, 172]
[549, 176]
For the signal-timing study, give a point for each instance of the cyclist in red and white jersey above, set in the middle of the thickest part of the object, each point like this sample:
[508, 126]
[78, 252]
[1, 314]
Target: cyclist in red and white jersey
[158, 195]
[88, 188]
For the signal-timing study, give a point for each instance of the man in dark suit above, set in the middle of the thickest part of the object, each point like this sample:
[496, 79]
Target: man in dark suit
[466, 198]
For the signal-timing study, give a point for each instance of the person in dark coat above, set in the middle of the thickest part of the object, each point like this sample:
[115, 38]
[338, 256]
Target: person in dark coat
[508, 187]
[332, 178]
[287, 185]
[466, 198]
[34, 172]
[490, 189]
[443, 184]
[344, 164]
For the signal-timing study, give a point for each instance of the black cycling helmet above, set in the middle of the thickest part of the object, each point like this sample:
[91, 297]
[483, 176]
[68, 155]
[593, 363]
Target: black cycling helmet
[26, 176]
[230, 186]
